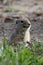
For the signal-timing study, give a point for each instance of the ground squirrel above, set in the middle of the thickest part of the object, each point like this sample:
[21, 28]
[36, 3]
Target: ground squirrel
[21, 31]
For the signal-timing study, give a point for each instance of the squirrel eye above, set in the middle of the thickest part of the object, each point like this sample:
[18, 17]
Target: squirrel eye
[21, 21]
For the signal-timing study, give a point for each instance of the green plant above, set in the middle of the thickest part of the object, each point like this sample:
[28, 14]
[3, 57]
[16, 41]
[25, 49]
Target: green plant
[20, 55]
[37, 48]
[41, 61]
[9, 9]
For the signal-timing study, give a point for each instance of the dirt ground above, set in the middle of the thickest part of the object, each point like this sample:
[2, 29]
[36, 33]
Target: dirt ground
[33, 9]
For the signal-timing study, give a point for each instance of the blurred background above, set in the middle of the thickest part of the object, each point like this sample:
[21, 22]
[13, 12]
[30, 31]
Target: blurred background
[33, 9]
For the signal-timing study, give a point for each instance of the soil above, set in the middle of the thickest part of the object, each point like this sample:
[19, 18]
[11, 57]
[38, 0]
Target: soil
[33, 9]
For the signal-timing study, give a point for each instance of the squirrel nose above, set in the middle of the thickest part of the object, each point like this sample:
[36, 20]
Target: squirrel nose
[28, 25]
[25, 26]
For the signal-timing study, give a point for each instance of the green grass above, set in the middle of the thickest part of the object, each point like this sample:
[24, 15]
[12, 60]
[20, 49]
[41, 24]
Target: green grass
[20, 55]
[11, 9]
